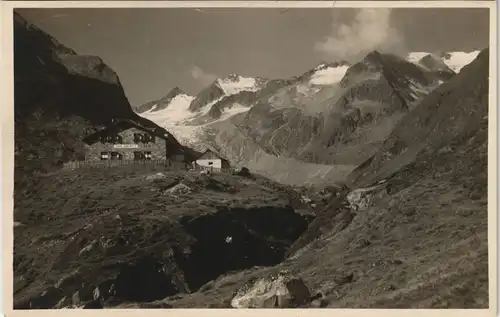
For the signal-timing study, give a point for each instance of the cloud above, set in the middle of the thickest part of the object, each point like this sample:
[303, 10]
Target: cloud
[370, 30]
[201, 76]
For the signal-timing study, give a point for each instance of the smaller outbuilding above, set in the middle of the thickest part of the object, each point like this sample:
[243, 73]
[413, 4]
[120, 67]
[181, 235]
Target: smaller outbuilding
[211, 160]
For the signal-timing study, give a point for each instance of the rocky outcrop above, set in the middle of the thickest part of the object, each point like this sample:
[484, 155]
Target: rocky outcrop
[275, 291]
[61, 81]
[359, 199]
[207, 95]
[436, 64]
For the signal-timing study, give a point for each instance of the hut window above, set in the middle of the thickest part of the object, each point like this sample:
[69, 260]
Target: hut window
[138, 137]
[148, 138]
[116, 156]
[210, 163]
[118, 139]
[147, 155]
[138, 156]
[104, 156]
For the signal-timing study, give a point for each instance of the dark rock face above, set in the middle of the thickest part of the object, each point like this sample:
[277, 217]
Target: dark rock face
[243, 97]
[238, 239]
[434, 63]
[224, 242]
[207, 95]
[47, 299]
[94, 304]
[60, 81]
[144, 281]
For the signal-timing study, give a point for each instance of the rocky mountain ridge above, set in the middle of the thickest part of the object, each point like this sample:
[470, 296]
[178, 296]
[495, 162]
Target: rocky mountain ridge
[335, 115]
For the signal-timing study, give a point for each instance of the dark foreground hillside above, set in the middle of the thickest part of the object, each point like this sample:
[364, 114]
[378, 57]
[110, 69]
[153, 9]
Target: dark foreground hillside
[148, 232]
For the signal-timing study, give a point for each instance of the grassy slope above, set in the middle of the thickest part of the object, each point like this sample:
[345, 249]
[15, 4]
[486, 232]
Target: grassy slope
[61, 213]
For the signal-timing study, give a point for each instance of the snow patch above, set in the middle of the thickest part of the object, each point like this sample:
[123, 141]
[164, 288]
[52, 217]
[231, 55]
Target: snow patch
[173, 116]
[302, 89]
[234, 84]
[319, 66]
[454, 60]
[328, 76]
[176, 112]
[176, 118]
[457, 60]
[415, 57]
[237, 108]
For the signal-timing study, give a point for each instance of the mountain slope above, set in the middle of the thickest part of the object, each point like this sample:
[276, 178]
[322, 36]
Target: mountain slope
[334, 116]
[162, 103]
[41, 63]
[452, 112]
[423, 201]
[340, 123]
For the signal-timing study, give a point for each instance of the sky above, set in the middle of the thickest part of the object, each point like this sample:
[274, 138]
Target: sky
[156, 49]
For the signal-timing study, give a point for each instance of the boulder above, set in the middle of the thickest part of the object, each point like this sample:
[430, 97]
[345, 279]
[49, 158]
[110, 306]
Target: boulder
[179, 189]
[275, 291]
[360, 199]
[156, 176]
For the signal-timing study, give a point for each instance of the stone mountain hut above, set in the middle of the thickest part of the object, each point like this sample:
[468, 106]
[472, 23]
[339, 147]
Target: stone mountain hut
[129, 141]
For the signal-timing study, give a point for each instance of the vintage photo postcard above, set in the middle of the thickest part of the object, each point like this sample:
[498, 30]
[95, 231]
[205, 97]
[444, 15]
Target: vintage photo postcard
[306, 157]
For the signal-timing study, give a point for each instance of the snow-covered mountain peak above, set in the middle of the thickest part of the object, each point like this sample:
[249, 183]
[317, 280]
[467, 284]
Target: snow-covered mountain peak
[328, 74]
[176, 109]
[320, 66]
[234, 83]
[432, 62]
[457, 60]
[454, 60]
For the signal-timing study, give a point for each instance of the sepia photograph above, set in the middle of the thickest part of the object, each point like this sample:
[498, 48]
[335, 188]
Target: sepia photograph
[229, 157]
